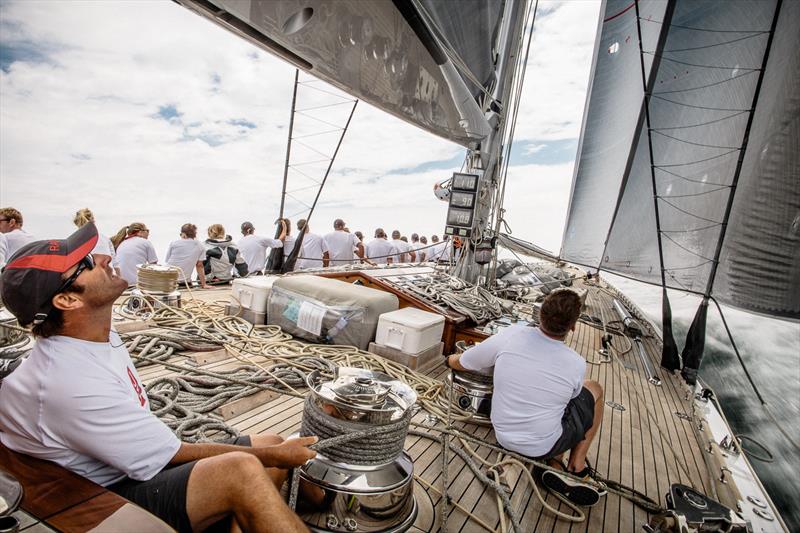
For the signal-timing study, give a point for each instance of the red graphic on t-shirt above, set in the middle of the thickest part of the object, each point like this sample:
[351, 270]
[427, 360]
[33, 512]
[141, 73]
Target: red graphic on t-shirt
[136, 387]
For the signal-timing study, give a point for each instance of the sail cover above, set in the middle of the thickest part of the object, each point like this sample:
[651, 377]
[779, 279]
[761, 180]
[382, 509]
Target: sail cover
[395, 54]
[722, 177]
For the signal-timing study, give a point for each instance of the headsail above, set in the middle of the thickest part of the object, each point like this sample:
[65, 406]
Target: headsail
[420, 60]
[705, 88]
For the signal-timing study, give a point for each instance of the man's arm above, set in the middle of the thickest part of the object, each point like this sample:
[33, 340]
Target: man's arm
[360, 250]
[454, 361]
[326, 258]
[201, 274]
[289, 453]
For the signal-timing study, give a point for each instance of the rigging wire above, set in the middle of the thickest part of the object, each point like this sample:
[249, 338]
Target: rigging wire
[697, 125]
[688, 212]
[694, 194]
[699, 160]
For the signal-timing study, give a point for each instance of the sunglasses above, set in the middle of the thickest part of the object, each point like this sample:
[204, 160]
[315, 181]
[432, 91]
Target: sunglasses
[84, 264]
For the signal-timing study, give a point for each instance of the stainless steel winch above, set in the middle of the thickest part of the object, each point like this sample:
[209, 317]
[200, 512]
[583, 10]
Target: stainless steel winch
[156, 285]
[472, 391]
[362, 485]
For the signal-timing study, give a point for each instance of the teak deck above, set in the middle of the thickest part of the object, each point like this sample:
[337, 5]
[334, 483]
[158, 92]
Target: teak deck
[648, 445]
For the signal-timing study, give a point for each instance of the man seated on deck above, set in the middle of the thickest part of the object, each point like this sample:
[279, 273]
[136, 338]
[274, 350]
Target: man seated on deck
[541, 406]
[77, 400]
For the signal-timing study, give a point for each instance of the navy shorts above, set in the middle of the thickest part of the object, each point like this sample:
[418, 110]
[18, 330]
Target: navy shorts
[578, 418]
[164, 495]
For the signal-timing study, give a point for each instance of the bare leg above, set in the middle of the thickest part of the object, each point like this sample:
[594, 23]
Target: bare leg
[236, 483]
[577, 456]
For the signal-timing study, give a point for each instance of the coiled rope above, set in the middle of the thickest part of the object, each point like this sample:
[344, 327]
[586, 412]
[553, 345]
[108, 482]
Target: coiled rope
[378, 444]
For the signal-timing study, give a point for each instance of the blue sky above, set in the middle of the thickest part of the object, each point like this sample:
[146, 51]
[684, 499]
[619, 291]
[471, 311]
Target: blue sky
[144, 111]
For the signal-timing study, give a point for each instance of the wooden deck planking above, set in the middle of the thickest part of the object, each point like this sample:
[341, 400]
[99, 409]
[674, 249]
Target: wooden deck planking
[629, 446]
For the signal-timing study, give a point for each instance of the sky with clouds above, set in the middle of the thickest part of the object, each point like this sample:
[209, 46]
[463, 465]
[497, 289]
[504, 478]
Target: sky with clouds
[144, 111]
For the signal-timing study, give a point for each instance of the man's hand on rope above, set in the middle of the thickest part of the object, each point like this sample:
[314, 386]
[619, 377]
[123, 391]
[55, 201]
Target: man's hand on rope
[289, 453]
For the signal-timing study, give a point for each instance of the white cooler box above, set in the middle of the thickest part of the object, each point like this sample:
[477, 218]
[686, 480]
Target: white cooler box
[409, 330]
[252, 293]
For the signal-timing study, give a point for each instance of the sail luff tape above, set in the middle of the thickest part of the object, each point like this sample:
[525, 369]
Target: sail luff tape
[157, 278]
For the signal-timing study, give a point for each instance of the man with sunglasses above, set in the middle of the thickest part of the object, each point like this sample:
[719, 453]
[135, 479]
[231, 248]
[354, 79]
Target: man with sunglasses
[77, 400]
[11, 227]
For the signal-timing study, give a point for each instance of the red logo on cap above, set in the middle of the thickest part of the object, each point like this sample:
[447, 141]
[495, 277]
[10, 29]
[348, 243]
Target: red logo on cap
[55, 246]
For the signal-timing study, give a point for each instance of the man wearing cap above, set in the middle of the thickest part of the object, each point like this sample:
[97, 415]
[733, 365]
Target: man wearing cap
[341, 245]
[254, 247]
[77, 401]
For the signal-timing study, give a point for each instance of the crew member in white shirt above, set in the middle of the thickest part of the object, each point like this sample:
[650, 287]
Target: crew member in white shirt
[342, 246]
[435, 250]
[289, 240]
[11, 226]
[92, 414]
[542, 405]
[104, 245]
[3, 250]
[315, 252]
[254, 247]
[187, 253]
[404, 252]
[426, 252]
[416, 245]
[380, 250]
[133, 249]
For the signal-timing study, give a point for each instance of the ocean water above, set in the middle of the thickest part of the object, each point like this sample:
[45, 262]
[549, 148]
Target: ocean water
[771, 351]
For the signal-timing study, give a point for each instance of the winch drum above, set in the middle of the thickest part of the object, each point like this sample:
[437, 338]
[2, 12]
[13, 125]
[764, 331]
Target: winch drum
[358, 497]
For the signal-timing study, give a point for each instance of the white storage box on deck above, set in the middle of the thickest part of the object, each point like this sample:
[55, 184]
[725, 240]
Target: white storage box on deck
[409, 330]
[252, 293]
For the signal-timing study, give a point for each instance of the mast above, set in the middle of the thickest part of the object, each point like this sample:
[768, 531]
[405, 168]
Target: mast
[485, 159]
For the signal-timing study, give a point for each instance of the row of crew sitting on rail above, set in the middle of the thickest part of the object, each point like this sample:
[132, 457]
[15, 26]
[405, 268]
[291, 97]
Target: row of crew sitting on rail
[78, 401]
[219, 259]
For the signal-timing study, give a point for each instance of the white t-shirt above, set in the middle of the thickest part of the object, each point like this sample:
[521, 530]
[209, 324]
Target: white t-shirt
[185, 253]
[535, 377]
[313, 248]
[415, 246]
[254, 250]
[378, 248]
[132, 252]
[15, 240]
[288, 245]
[402, 248]
[3, 250]
[340, 247]
[81, 405]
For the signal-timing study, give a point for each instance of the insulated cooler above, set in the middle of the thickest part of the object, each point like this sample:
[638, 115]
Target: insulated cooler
[252, 293]
[410, 330]
[326, 310]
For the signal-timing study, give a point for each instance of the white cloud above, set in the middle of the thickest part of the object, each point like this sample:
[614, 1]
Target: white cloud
[81, 128]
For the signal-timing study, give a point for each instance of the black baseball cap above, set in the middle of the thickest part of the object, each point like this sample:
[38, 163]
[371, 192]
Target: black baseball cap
[33, 274]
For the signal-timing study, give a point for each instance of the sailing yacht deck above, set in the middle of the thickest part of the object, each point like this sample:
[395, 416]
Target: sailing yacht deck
[647, 445]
